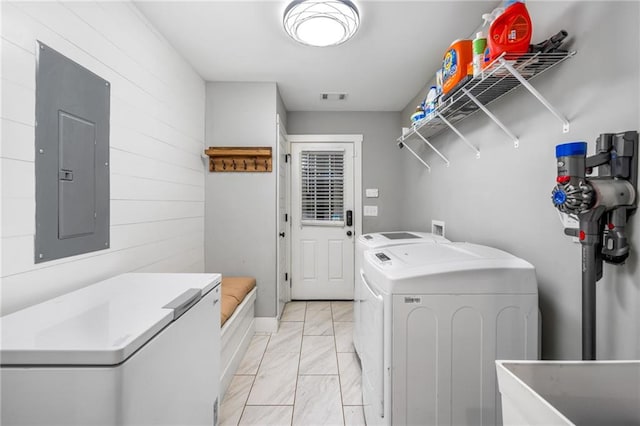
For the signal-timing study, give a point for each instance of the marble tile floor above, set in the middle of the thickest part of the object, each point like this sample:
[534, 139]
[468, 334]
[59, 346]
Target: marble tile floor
[306, 374]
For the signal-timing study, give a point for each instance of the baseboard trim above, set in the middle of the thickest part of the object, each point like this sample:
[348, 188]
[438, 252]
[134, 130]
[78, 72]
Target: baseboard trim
[266, 324]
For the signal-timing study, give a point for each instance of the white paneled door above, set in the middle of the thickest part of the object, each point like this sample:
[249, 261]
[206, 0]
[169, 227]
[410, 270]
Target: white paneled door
[323, 215]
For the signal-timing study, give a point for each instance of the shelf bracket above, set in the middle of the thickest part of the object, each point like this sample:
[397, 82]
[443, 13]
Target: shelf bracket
[433, 148]
[516, 141]
[534, 92]
[404, 145]
[460, 135]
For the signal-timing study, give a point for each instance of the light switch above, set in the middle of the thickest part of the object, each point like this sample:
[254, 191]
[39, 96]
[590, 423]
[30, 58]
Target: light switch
[371, 210]
[371, 192]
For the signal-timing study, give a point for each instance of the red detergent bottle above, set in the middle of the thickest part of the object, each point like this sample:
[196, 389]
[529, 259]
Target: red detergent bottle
[510, 32]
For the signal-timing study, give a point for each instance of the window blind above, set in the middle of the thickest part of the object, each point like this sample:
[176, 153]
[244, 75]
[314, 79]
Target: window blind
[322, 192]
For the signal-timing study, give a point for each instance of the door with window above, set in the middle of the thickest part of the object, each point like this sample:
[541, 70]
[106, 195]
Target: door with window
[323, 231]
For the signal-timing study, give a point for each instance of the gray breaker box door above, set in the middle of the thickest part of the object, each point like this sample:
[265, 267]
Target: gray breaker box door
[72, 158]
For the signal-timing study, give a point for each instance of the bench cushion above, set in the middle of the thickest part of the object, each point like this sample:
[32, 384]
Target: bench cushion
[234, 290]
[228, 305]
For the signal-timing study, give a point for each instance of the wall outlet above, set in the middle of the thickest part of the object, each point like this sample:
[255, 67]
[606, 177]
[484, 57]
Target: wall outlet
[371, 210]
[371, 192]
[437, 228]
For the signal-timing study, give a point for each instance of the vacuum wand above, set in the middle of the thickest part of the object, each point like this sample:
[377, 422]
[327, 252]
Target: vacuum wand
[590, 226]
[602, 204]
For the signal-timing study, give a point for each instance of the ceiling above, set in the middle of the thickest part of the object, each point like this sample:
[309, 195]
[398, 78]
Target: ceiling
[396, 51]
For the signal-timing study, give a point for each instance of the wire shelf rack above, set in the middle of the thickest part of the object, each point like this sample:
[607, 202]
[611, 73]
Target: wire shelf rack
[496, 80]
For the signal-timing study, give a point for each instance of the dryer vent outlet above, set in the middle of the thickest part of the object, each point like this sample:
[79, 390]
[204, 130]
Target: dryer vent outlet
[437, 227]
[333, 96]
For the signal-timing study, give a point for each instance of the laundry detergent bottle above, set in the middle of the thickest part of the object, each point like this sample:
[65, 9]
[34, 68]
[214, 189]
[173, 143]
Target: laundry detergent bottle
[455, 64]
[510, 32]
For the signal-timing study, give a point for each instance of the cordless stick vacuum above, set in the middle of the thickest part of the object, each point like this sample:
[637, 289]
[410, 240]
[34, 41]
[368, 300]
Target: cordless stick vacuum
[602, 205]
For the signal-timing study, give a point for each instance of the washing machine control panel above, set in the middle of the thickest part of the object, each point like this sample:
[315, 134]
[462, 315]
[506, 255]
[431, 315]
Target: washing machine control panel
[383, 257]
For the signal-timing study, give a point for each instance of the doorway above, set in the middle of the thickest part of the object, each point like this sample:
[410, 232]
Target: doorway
[283, 251]
[326, 199]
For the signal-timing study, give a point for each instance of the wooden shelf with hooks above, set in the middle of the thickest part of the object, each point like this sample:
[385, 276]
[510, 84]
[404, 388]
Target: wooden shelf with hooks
[239, 158]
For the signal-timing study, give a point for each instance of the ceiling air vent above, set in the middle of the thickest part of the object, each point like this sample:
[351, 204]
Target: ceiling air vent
[333, 96]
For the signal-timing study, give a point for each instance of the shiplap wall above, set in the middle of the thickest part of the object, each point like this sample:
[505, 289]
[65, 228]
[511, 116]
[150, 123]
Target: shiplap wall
[156, 140]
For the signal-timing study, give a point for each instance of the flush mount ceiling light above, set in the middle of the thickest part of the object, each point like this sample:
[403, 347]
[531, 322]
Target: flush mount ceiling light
[321, 22]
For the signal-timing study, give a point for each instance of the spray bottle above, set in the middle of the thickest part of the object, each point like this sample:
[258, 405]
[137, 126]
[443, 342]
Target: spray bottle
[488, 19]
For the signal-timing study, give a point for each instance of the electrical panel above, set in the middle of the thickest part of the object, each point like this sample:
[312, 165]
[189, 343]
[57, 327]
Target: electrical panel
[72, 158]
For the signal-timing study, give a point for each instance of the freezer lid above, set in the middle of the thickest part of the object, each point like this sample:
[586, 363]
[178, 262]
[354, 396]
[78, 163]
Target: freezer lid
[101, 324]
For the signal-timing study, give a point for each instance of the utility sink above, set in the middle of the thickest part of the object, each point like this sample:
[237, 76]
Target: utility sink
[580, 393]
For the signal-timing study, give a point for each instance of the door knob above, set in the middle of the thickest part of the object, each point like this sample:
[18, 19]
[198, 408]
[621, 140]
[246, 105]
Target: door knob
[281, 234]
[349, 233]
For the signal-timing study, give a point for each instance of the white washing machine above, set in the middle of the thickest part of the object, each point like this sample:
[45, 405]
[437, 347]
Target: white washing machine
[435, 317]
[374, 241]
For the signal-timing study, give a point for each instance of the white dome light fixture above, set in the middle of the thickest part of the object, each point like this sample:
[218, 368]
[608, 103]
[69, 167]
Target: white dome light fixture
[321, 22]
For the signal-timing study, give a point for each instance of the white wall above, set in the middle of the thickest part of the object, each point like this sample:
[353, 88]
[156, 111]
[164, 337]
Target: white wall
[503, 198]
[241, 207]
[157, 133]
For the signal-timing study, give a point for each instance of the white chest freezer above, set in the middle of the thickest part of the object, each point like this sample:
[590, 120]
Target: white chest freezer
[136, 349]
[378, 240]
[435, 318]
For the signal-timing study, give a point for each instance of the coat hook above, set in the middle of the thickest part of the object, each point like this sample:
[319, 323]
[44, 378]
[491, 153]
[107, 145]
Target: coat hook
[245, 164]
[234, 163]
[224, 165]
[255, 164]
[266, 165]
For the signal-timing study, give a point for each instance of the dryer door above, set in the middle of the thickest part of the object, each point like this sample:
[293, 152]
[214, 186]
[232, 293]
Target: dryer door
[372, 314]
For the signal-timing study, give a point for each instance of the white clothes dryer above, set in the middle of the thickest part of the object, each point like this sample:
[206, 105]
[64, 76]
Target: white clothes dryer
[379, 240]
[435, 317]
